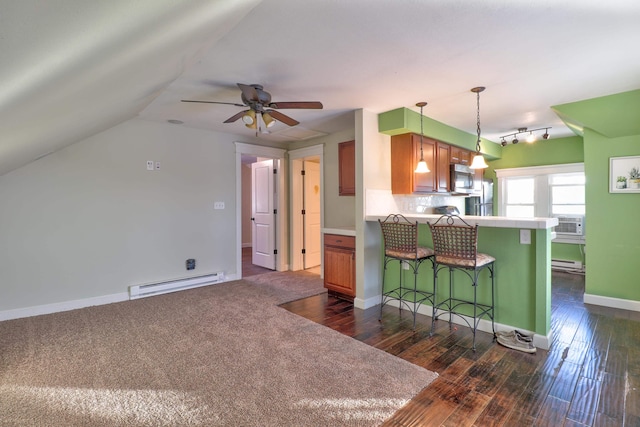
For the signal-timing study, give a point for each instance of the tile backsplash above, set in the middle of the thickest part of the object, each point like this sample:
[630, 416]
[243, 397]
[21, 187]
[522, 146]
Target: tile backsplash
[382, 202]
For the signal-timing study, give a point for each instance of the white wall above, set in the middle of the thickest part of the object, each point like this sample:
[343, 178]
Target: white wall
[90, 220]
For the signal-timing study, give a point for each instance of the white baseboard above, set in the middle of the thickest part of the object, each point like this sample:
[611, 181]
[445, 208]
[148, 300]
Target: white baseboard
[540, 341]
[623, 304]
[366, 303]
[62, 306]
[38, 310]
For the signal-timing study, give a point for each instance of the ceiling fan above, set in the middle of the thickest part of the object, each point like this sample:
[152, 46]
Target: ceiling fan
[259, 103]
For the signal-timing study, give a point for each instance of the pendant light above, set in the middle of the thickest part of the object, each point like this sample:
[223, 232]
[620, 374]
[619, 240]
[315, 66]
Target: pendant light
[478, 160]
[422, 165]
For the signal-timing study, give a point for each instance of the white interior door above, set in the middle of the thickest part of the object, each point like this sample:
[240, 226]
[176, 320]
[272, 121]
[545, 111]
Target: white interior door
[262, 214]
[312, 231]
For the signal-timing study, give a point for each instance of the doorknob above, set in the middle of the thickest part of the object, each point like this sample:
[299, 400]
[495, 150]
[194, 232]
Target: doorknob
[253, 219]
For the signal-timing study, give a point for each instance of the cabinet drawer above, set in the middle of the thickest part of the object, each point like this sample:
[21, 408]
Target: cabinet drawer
[337, 240]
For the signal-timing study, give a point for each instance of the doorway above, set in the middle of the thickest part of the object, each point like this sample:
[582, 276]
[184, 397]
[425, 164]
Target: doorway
[246, 156]
[307, 208]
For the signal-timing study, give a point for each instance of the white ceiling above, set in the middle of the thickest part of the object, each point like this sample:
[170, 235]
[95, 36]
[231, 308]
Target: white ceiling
[71, 68]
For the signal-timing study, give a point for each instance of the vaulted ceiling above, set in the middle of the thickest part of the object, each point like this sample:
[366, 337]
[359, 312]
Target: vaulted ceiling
[72, 68]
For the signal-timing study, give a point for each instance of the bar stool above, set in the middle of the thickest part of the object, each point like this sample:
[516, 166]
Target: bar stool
[401, 244]
[455, 244]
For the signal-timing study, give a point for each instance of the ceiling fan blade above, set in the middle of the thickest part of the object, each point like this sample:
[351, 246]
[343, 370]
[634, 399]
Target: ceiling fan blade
[309, 105]
[214, 102]
[250, 93]
[235, 117]
[282, 118]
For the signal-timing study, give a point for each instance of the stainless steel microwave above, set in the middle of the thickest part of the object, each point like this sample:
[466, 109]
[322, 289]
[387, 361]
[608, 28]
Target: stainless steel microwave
[462, 179]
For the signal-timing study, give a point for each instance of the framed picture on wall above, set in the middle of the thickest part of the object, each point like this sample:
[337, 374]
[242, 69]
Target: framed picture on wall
[624, 174]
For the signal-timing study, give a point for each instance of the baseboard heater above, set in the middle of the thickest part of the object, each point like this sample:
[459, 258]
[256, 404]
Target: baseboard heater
[566, 265]
[142, 291]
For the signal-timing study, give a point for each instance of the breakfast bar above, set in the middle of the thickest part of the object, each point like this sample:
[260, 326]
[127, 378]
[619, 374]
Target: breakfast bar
[522, 249]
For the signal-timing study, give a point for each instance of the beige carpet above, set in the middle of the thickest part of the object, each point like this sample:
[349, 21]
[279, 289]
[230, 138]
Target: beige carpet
[221, 355]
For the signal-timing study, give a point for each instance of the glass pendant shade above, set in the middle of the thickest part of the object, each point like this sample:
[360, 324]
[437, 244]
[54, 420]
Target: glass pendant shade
[478, 162]
[422, 167]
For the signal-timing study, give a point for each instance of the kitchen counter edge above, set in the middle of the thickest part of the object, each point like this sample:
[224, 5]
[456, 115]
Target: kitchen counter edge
[483, 221]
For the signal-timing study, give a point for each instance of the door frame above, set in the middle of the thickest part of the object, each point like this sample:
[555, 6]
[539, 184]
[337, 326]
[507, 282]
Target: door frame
[296, 158]
[277, 154]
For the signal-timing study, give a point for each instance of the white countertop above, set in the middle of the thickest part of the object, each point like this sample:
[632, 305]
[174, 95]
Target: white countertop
[482, 221]
[342, 231]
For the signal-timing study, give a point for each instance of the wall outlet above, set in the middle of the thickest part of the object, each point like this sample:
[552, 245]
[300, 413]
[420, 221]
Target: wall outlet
[150, 165]
[525, 237]
[218, 205]
[190, 264]
[157, 165]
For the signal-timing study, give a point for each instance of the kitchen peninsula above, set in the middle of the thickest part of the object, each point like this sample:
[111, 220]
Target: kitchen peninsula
[522, 248]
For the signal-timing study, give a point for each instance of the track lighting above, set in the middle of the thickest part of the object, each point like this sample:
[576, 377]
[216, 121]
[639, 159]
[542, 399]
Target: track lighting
[530, 138]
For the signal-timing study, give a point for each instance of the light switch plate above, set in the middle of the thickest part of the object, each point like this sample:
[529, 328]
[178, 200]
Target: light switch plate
[525, 237]
[150, 165]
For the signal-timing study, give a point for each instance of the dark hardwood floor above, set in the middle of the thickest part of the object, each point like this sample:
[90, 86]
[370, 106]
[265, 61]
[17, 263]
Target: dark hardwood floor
[589, 377]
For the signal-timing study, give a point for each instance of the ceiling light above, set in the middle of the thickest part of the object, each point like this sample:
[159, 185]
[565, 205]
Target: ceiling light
[249, 118]
[530, 138]
[422, 165]
[478, 160]
[546, 134]
[268, 120]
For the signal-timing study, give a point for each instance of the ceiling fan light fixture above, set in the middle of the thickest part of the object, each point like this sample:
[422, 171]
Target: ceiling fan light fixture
[249, 118]
[268, 120]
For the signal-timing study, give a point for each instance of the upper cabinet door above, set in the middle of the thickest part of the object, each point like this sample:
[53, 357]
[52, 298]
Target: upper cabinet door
[442, 170]
[347, 168]
[405, 154]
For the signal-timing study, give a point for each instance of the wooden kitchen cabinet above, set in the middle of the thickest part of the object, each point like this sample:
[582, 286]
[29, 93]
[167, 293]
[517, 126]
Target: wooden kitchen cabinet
[442, 168]
[460, 156]
[405, 154]
[347, 168]
[340, 264]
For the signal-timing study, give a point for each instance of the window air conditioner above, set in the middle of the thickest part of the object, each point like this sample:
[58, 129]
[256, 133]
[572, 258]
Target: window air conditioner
[571, 225]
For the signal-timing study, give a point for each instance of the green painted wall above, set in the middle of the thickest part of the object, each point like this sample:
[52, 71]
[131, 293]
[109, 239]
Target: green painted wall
[613, 221]
[404, 120]
[541, 153]
[522, 278]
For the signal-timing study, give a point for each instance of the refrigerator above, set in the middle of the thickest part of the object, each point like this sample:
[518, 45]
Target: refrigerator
[482, 204]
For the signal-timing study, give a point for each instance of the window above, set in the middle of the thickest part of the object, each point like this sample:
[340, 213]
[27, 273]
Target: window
[545, 191]
[520, 197]
[567, 194]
